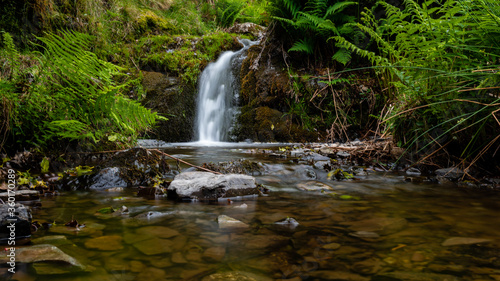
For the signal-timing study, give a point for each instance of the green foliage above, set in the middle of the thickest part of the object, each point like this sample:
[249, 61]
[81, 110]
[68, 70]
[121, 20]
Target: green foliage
[441, 62]
[310, 24]
[228, 11]
[75, 96]
[10, 69]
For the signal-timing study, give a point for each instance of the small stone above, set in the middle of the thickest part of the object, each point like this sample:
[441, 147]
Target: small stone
[154, 246]
[313, 186]
[464, 241]
[364, 234]
[380, 225]
[332, 246]
[242, 206]
[214, 253]
[178, 258]
[157, 231]
[137, 266]
[105, 243]
[413, 172]
[226, 222]
[289, 222]
[343, 154]
[417, 257]
[236, 276]
[151, 273]
[452, 173]
[415, 276]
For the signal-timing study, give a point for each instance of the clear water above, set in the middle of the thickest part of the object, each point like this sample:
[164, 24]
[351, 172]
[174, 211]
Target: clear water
[186, 243]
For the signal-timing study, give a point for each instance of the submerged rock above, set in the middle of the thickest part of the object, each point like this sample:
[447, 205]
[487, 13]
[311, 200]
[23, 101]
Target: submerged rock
[227, 222]
[47, 259]
[105, 243]
[453, 241]
[313, 186]
[381, 226]
[236, 276]
[414, 276]
[208, 186]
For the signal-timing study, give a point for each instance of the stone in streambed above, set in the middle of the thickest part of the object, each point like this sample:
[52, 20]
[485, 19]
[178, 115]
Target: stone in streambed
[105, 243]
[208, 186]
[414, 276]
[214, 254]
[236, 276]
[157, 231]
[226, 222]
[154, 246]
[313, 186]
[381, 226]
[453, 241]
[46, 257]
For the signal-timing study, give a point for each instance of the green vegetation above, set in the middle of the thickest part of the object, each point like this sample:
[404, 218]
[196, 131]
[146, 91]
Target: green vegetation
[70, 94]
[439, 62]
[425, 72]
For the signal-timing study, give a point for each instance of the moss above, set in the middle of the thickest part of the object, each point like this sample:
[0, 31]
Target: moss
[149, 21]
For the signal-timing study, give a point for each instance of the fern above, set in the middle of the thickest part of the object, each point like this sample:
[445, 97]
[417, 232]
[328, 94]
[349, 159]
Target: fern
[343, 56]
[76, 97]
[305, 45]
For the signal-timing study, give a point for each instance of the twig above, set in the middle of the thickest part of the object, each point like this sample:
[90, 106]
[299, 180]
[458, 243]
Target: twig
[187, 163]
[163, 153]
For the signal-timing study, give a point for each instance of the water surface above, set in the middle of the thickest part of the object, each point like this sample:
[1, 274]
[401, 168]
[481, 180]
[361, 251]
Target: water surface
[383, 228]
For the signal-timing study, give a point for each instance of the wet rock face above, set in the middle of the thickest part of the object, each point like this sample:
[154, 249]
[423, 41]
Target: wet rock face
[265, 89]
[207, 186]
[19, 224]
[169, 95]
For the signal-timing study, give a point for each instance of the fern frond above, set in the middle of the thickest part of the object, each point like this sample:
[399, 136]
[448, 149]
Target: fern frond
[343, 56]
[304, 46]
[338, 7]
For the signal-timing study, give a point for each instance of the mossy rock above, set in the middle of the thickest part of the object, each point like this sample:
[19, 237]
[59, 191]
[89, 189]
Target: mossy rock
[173, 98]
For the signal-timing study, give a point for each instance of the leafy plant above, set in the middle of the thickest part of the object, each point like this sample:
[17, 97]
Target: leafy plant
[228, 11]
[75, 96]
[440, 61]
[310, 23]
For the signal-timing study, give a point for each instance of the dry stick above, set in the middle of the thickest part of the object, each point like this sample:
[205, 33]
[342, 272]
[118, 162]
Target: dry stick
[168, 155]
[187, 163]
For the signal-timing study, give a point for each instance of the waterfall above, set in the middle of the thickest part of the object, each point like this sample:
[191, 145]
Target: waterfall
[217, 96]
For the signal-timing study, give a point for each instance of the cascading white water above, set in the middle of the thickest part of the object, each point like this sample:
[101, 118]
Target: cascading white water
[217, 95]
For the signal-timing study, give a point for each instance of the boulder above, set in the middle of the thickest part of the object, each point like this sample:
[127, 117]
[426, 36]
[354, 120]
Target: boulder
[107, 178]
[207, 186]
[17, 222]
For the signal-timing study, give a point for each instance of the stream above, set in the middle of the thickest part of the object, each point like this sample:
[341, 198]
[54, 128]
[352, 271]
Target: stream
[374, 227]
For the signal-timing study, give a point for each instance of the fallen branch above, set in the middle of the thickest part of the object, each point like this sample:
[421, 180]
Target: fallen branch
[182, 161]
